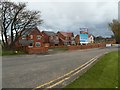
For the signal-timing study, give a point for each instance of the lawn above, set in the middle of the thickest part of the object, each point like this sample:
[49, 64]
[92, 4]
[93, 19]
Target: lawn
[60, 49]
[10, 52]
[104, 74]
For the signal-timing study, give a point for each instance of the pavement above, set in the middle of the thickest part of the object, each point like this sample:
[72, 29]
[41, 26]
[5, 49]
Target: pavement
[30, 71]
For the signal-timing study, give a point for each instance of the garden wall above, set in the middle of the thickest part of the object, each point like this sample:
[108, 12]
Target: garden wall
[86, 46]
[36, 50]
[76, 47]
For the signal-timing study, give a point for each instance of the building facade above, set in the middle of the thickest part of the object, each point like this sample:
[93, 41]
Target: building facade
[77, 39]
[66, 38]
[31, 41]
[51, 38]
[90, 38]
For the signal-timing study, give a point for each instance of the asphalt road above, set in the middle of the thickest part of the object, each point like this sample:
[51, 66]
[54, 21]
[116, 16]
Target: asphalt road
[29, 71]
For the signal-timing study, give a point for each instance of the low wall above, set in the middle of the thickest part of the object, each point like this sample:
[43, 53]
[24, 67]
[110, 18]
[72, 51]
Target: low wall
[36, 50]
[76, 47]
[86, 46]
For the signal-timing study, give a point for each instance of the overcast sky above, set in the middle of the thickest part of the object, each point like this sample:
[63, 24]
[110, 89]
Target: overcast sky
[64, 15]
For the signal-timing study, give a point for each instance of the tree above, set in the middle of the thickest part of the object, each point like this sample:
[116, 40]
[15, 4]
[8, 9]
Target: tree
[115, 27]
[15, 18]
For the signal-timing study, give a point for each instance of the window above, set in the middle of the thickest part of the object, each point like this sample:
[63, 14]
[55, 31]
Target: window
[37, 44]
[66, 38]
[38, 37]
[31, 36]
[51, 37]
[72, 38]
[30, 45]
[23, 36]
[57, 38]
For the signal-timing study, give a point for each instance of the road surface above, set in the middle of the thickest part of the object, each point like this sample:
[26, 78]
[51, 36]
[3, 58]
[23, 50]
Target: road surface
[29, 71]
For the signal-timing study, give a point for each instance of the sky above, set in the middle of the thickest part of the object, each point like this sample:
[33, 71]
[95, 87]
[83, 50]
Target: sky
[71, 15]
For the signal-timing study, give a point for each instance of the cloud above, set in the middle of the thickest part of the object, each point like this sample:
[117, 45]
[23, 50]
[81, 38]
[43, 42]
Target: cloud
[70, 16]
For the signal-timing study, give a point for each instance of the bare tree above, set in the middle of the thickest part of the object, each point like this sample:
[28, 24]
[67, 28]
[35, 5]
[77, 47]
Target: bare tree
[15, 18]
[115, 27]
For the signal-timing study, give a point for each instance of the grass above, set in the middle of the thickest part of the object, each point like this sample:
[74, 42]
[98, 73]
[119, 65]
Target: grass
[60, 49]
[8, 53]
[104, 74]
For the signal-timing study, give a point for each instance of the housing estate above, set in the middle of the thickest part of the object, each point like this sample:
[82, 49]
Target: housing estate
[32, 40]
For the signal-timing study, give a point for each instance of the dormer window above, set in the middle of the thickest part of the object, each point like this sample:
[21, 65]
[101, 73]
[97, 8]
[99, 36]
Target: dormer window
[57, 38]
[66, 38]
[51, 37]
[38, 37]
[23, 36]
[31, 36]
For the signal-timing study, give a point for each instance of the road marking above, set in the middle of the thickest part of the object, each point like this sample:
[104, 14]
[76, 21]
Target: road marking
[71, 75]
[87, 64]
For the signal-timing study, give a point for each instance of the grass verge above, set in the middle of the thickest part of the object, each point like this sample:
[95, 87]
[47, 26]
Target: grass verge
[104, 74]
[8, 53]
[60, 49]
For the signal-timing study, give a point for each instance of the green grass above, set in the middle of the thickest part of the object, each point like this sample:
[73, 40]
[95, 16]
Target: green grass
[8, 53]
[104, 74]
[60, 49]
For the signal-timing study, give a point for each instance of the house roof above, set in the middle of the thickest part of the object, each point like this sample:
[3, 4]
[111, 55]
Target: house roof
[89, 35]
[68, 34]
[64, 40]
[77, 36]
[29, 30]
[49, 33]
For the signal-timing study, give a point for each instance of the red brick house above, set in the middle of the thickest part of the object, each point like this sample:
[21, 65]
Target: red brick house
[77, 39]
[31, 41]
[66, 38]
[50, 37]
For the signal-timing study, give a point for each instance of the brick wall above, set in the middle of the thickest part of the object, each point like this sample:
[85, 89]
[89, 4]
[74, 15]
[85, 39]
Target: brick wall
[76, 47]
[61, 46]
[86, 46]
[36, 50]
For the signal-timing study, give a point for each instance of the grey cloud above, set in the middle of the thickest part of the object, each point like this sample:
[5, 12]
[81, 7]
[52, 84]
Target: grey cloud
[70, 16]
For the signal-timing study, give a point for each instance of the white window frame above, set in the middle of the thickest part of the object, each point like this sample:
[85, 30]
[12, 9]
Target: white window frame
[38, 37]
[23, 36]
[31, 36]
[57, 38]
[36, 43]
[51, 37]
[30, 46]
